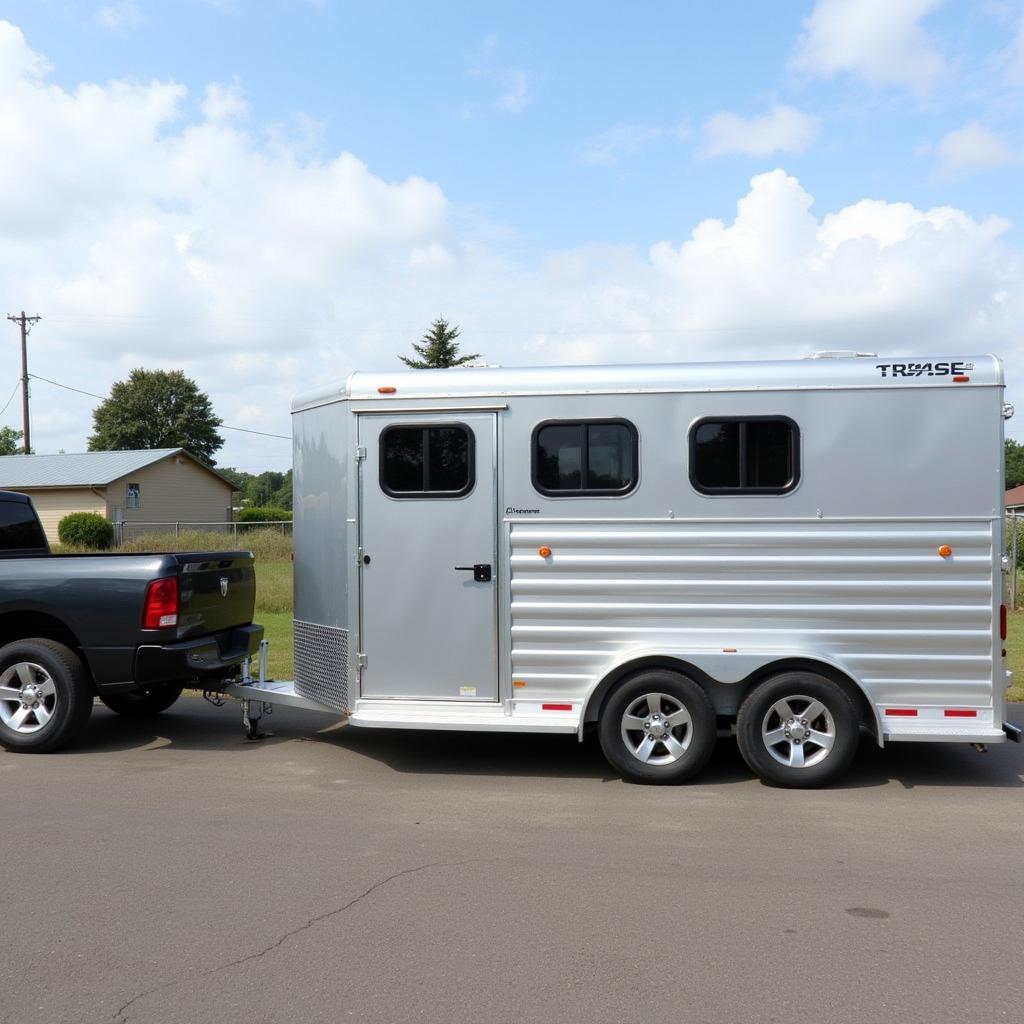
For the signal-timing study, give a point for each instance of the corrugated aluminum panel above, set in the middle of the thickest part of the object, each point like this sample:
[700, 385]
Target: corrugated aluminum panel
[874, 596]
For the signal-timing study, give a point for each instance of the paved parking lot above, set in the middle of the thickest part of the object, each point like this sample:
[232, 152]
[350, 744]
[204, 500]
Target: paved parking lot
[169, 872]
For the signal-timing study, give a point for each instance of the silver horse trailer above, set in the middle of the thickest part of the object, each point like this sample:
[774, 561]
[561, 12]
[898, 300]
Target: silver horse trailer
[798, 552]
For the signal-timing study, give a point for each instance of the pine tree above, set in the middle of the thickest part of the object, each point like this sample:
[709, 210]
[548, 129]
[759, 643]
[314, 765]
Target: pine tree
[438, 349]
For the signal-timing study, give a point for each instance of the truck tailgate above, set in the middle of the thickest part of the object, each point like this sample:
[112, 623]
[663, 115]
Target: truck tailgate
[218, 591]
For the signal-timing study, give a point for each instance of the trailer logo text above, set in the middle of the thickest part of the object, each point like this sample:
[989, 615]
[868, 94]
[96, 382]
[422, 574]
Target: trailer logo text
[923, 369]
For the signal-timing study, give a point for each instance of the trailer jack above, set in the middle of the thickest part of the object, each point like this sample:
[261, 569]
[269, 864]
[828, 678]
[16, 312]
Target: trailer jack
[252, 712]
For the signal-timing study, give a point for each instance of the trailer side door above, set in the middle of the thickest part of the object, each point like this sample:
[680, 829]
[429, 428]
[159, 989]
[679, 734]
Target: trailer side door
[428, 533]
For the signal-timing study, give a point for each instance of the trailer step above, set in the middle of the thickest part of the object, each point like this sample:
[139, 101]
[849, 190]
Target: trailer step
[468, 716]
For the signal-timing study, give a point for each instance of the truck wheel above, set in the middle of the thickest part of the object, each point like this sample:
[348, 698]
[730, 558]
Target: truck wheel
[45, 696]
[798, 730]
[142, 703]
[658, 727]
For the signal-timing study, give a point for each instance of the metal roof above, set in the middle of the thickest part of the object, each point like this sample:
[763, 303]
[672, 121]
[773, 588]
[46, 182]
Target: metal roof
[84, 469]
[822, 371]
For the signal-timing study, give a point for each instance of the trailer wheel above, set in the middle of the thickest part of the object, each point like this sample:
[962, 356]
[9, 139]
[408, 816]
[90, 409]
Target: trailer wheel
[798, 730]
[658, 727]
[45, 696]
[143, 703]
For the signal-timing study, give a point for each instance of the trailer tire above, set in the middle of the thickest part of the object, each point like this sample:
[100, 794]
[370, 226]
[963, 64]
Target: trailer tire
[46, 696]
[798, 730]
[143, 703]
[657, 727]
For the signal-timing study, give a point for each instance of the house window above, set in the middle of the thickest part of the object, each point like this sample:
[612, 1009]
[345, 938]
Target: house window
[434, 461]
[134, 496]
[753, 455]
[585, 457]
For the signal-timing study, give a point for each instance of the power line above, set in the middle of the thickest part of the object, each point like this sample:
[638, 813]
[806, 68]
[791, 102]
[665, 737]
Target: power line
[26, 323]
[11, 399]
[103, 398]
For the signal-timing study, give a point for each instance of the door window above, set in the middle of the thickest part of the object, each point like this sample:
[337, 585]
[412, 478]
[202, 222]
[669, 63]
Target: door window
[433, 461]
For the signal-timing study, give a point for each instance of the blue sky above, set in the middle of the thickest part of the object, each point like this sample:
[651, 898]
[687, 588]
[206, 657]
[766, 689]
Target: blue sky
[562, 152]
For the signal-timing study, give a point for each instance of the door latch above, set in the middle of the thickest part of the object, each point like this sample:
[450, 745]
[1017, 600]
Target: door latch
[481, 571]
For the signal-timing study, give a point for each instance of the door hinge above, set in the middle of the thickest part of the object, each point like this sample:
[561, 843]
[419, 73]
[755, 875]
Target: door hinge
[361, 661]
[360, 452]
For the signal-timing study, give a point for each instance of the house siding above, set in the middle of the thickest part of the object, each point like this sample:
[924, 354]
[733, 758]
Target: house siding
[54, 503]
[175, 489]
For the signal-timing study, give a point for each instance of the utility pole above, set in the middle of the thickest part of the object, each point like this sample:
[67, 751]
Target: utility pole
[26, 323]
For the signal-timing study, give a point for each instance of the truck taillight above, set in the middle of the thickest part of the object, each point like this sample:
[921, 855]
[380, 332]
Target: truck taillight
[161, 606]
[1002, 622]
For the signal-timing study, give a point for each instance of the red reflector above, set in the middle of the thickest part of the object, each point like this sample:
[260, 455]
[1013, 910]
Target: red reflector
[160, 609]
[1002, 622]
[556, 707]
[961, 379]
[960, 713]
[901, 712]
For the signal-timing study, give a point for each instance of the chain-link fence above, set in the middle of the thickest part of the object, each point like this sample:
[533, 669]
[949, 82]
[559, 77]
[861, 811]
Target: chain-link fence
[125, 532]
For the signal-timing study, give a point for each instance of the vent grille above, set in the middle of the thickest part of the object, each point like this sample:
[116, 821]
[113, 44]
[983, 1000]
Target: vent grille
[321, 664]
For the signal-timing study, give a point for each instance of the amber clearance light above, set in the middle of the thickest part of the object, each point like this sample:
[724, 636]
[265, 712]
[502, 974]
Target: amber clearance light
[544, 551]
[387, 389]
[945, 550]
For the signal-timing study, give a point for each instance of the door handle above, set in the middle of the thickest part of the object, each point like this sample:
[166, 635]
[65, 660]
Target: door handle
[481, 571]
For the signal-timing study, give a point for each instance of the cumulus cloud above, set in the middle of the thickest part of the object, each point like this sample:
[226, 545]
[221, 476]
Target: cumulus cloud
[782, 130]
[148, 233]
[881, 41]
[973, 147]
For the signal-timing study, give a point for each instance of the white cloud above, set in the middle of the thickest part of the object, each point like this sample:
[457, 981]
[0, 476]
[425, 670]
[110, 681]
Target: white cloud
[783, 130]
[881, 41]
[149, 236]
[618, 143]
[973, 147]
[120, 16]
[513, 83]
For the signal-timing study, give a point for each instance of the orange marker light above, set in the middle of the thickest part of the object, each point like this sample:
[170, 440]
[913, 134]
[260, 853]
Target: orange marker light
[386, 390]
[945, 550]
[544, 552]
[518, 683]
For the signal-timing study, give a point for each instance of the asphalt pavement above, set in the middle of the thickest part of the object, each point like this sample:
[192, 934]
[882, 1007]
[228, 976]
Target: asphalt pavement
[166, 871]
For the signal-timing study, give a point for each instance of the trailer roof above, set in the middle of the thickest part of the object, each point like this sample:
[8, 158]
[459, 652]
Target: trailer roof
[823, 371]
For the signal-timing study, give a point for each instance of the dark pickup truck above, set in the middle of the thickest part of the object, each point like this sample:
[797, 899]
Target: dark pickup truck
[132, 629]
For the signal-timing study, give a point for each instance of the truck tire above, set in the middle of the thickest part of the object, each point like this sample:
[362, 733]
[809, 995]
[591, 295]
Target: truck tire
[658, 727]
[798, 730]
[46, 696]
[143, 703]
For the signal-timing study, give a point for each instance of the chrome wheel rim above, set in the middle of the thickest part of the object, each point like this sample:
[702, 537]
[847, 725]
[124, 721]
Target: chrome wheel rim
[657, 728]
[28, 697]
[798, 731]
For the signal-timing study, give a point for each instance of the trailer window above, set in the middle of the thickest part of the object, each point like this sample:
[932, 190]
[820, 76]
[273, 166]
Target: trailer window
[758, 455]
[433, 461]
[584, 457]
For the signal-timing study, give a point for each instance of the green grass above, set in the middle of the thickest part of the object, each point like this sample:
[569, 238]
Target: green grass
[1015, 653]
[278, 630]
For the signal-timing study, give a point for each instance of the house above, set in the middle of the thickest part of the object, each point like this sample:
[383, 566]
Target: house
[1014, 499]
[160, 485]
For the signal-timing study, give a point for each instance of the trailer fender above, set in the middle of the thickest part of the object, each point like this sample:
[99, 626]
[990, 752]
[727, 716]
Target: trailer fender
[727, 667]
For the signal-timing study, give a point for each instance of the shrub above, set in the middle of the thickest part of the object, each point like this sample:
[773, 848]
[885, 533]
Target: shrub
[257, 514]
[87, 530]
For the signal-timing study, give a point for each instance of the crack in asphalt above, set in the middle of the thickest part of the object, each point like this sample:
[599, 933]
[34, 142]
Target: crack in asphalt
[121, 1014]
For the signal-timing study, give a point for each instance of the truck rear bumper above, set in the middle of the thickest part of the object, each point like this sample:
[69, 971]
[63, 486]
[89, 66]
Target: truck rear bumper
[217, 656]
